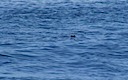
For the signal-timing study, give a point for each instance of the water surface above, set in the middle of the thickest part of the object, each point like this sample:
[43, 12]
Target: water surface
[36, 42]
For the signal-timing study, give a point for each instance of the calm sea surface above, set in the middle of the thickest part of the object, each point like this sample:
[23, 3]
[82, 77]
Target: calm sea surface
[36, 42]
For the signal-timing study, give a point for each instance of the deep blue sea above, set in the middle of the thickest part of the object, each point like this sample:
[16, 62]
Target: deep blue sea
[63, 40]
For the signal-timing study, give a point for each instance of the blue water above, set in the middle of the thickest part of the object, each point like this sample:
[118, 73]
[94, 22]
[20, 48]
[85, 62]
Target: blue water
[36, 42]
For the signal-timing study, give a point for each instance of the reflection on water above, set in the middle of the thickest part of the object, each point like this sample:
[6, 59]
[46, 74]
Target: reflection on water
[36, 40]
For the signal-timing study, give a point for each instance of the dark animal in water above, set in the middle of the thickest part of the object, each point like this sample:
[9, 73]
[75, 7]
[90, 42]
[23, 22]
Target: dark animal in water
[72, 36]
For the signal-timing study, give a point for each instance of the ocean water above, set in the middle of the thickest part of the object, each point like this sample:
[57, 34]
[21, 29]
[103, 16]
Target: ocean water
[36, 42]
